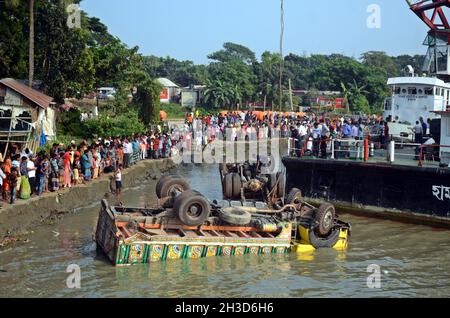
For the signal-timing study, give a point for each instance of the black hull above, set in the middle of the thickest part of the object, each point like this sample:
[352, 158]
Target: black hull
[375, 189]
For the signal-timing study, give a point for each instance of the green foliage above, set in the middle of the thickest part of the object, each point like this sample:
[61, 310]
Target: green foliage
[233, 52]
[69, 123]
[125, 124]
[360, 104]
[174, 111]
[13, 39]
[184, 73]
[148, 101]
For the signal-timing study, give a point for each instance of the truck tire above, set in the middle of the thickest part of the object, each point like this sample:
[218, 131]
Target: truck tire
[161, 182]
[237, 184]
[327, 242]
[294, 197]
[228, 187]
[235, 216]
[325, 216]
[192, 208]
[168, 186]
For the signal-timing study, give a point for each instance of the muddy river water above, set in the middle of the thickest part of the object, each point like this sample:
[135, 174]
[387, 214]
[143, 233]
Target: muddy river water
[414, 261]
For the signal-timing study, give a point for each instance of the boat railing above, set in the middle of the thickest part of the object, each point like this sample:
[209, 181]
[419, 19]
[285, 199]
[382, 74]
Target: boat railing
[365, 150]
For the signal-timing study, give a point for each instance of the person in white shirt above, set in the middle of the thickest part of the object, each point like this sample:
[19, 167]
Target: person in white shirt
[31, 168]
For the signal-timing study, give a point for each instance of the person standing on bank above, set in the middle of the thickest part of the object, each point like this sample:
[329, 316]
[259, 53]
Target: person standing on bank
[118, 178]
[31, 169]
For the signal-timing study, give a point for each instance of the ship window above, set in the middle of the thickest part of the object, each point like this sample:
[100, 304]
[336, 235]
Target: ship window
[428, 91]
[404, 91]
[412, 91]
[443, 92]
[438, 91]
[397, 90]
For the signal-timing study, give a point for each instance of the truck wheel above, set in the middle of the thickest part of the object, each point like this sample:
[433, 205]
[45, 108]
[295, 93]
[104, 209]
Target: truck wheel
[327, 242]
[237, 184]
[325, 216]
[169, 186]
[235, 216]
[294, 197]
[161, 182]
[192, 208]
[228, 187]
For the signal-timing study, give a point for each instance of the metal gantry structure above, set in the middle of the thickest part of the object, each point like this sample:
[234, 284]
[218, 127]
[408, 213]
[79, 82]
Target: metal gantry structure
[433, 14]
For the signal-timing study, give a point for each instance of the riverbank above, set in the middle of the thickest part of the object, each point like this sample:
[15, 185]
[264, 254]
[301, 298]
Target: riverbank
[18, 219]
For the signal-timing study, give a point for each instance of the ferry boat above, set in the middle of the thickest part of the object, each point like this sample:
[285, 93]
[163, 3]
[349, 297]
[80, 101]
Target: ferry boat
[189, 227]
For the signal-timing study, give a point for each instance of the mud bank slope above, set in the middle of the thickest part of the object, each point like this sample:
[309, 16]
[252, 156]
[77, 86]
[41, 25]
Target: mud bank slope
[21, 217]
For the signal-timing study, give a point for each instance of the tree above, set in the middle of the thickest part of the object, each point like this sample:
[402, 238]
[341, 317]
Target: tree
[31, 43]
[219, 94]
[268, 76]
[381, 61]
[357, 99]
[234, 52]
[13, 40]
[346, 93]
[148, 101]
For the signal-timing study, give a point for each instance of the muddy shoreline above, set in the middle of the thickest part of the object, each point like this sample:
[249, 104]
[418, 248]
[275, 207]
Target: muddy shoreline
[19, 219]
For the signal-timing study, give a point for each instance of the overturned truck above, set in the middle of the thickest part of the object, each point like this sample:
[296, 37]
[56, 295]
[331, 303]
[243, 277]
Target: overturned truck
[185, 224]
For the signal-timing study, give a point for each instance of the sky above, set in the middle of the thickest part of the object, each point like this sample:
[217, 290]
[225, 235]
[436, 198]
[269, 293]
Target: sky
[190, 30]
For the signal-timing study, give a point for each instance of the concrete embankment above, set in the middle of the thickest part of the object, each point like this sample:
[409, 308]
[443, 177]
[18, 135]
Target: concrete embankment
[20, 218]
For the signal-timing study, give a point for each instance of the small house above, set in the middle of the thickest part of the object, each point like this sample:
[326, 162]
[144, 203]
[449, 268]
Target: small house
[25, 115]
[170, 91]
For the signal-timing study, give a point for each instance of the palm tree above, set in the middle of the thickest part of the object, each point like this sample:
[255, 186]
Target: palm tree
[219, 94]
[346, 93]
[353, 91]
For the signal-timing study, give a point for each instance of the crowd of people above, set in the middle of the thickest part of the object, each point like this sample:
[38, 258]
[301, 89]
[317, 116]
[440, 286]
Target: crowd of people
[237, 126]
[24, 174]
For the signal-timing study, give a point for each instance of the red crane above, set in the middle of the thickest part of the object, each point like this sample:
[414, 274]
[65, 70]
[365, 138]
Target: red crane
[432, 12]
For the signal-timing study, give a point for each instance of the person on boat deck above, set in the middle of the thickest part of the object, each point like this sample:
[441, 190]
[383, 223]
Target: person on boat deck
[325, 134]
[418, 137]
[424, 128]
[346, 130]
[418, 133]
[316, 135]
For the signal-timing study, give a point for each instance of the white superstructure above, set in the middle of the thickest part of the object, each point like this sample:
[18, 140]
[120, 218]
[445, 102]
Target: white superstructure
[415, 97]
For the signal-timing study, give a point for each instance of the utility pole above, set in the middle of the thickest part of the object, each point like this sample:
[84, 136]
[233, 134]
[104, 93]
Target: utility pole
[281, 56]
[290, 95]
[31, 44]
